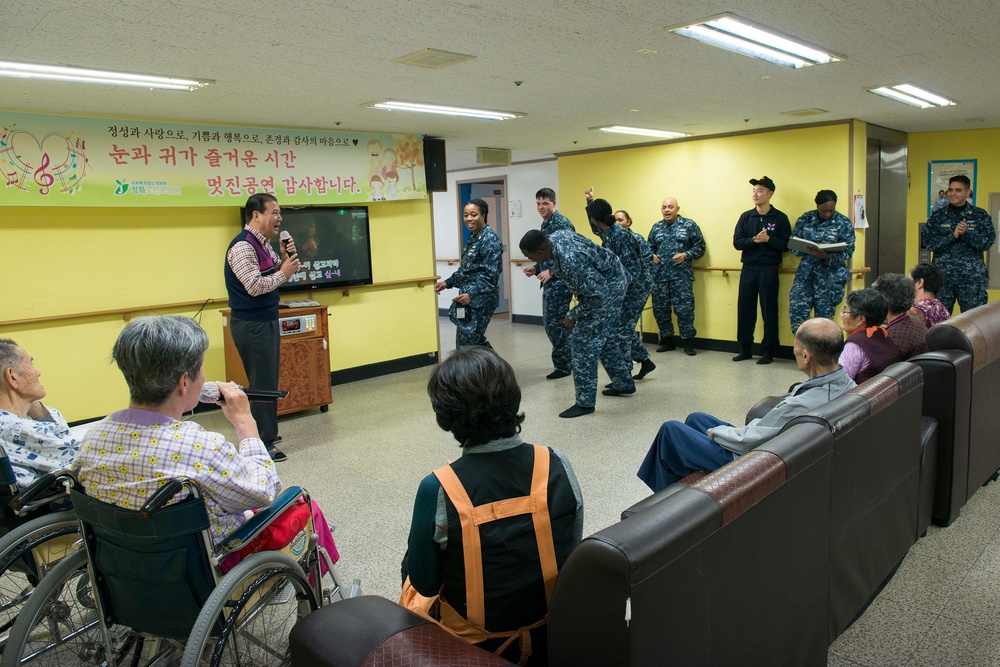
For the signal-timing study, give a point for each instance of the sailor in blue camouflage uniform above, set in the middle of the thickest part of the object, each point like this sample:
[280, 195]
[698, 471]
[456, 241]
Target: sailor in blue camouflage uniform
[624, 220]
[555, 294]
[619, 241]
[822, 275]
[958, 235]
[597, 278]
[477, 279]
[676, 241]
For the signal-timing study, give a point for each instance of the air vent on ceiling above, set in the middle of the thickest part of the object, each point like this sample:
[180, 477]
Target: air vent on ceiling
[805, 112]
[433, 58]
[493, 155]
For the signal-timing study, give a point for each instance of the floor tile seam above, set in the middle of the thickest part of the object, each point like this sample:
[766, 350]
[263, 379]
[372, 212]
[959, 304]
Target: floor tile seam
[964, 619]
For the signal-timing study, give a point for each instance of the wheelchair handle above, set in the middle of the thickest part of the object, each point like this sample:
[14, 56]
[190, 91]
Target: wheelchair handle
[37, 488]
[162, 496]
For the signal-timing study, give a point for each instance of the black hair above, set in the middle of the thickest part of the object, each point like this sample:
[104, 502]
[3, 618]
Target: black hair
[257, 203]
[823, 196]
[869, 304]
[625, 213]
[546, 193]
[898, 291]
[961, 178]
[475, 396]
[483, 207]
[533, 241]
[599, 209]
[932, 276]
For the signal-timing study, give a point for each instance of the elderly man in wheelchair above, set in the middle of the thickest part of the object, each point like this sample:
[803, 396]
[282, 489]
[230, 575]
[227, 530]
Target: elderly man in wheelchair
[163, 508]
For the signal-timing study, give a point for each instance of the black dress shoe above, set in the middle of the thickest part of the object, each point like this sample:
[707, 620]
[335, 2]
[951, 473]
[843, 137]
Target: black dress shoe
[557, 374]
[618, 392]
[765, 360]
[576, 411]
[742, 356]
[689, 349]
[645, 369]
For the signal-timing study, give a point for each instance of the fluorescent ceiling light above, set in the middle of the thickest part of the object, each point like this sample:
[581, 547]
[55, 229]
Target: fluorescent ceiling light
[735, 34]
[483, 114]
[912, 95]
[641, 132]
[78, 74]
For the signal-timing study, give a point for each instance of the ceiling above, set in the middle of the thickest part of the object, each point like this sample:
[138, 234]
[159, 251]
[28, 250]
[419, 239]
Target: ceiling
[570, 65]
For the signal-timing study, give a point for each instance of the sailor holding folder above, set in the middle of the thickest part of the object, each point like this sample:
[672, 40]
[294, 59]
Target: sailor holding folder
[824, 239]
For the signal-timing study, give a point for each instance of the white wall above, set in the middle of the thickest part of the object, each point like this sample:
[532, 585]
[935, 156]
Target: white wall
[523, 181]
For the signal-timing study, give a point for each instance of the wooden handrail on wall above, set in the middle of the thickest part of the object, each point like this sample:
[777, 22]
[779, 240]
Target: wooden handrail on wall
[724, 269]
[127, 313]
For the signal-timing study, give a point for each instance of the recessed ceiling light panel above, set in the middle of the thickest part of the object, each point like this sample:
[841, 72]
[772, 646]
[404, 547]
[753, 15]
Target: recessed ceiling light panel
[482, 114]
[21, 70]
[641, 132]
[732, 33]
[912, 95]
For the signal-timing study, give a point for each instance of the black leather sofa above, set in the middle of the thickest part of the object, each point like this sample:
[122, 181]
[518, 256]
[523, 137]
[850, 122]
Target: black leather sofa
[764, 561]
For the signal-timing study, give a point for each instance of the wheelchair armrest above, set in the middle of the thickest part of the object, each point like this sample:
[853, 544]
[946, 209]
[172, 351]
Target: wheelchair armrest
[43, 487]
[243, 535]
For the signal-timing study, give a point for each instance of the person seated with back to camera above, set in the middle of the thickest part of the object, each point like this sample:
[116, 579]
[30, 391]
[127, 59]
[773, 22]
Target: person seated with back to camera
[530, 492]
[905, 329]
[868, 350]
[127, 456]
[704, 442]
[36, 438]
[927, 280]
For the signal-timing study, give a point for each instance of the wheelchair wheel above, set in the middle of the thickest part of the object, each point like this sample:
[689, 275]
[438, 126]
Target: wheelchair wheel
[21, 567]
[247, 618]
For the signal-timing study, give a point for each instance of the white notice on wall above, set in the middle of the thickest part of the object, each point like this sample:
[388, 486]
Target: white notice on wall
[860, 219]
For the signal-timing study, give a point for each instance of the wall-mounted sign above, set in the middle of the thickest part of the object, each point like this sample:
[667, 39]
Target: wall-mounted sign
[75, 161]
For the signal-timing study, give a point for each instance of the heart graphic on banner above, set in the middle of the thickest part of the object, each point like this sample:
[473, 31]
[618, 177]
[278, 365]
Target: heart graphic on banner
[355, 142]
[52, 162]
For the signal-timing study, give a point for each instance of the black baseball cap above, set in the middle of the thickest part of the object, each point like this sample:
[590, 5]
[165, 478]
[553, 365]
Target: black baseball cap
[763, 180]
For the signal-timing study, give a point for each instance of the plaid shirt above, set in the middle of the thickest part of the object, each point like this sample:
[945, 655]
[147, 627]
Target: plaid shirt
[242, 260]
[126, 457]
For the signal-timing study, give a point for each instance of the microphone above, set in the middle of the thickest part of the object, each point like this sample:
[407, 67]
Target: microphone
[210, 394]
[286, 238]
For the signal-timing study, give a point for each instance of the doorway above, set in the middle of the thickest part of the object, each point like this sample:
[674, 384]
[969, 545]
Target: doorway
[494, 193]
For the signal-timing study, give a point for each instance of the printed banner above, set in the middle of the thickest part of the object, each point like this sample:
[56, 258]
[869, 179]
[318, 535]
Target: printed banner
[76, 161]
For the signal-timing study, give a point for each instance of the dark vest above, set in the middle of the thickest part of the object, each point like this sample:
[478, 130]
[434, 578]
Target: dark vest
[263, 308]
[879, 349]
[512, 575]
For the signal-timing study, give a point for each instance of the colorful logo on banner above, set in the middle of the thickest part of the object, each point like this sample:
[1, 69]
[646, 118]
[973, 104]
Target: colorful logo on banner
[62, 160]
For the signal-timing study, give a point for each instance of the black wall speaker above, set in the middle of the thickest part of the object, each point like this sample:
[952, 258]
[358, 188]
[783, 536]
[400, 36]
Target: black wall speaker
[435, 170]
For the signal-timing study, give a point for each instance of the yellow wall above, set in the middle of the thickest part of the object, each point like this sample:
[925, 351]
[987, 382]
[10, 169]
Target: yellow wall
[710, 179]
[78, 260]
[923, 147]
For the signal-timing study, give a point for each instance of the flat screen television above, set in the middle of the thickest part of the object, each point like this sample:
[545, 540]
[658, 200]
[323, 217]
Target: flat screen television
[333, 244]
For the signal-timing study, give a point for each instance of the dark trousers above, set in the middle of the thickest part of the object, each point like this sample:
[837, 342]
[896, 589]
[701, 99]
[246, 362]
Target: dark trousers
[757, 281]
[680, 449]
[258, 345]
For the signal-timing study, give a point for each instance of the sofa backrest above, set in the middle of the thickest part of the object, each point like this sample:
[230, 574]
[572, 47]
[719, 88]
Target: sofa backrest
[948, 399]
[729, 570]
[977, 332]
[874, 484]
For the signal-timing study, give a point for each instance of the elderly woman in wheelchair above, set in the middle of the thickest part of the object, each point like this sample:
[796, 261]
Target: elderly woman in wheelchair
[149, 486]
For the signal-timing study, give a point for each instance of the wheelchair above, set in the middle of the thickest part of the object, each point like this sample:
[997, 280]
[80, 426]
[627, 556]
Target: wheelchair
[147, 589]
[35, 537]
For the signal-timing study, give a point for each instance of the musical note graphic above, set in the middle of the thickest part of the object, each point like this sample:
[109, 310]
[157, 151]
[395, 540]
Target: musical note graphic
[43, 178]
[54, 163]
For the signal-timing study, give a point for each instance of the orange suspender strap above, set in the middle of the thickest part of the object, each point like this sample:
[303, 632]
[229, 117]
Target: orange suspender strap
[536, 504]
[540, 517]
[474, 589]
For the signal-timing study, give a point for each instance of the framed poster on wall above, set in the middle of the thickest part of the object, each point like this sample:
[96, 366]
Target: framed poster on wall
[938, 173]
